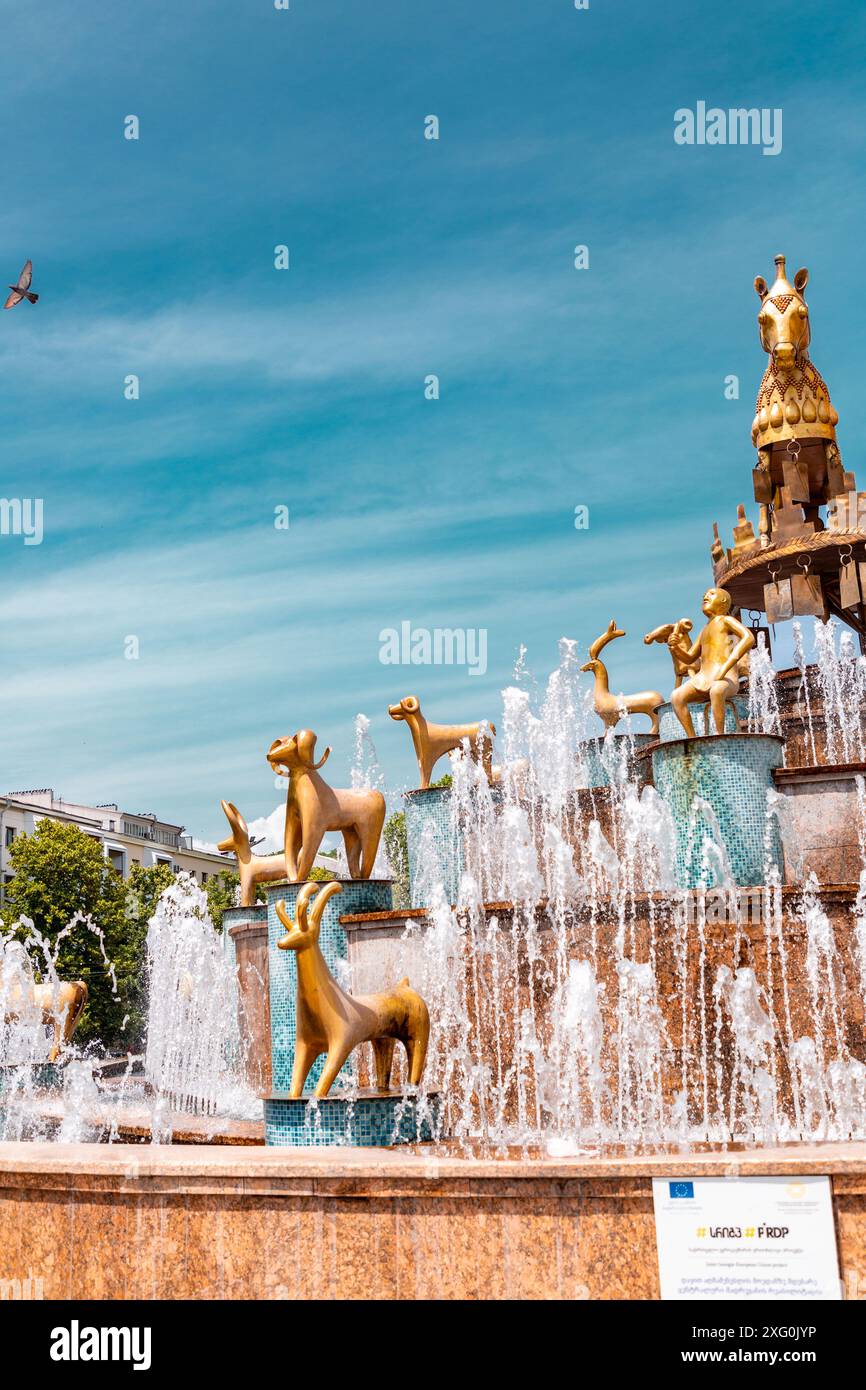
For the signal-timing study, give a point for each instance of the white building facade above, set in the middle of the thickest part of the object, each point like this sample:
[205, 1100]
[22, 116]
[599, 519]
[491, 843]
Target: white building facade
[127, 838]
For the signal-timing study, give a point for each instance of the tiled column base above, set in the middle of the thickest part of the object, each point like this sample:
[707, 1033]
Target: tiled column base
[430, 836]
[372, 1119]
[358, 895]
[732, 773]
[606, 762]
[671, 730]
[39, 1076]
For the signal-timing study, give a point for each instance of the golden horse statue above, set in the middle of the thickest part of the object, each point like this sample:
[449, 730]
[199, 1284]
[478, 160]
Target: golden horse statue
[329, 1020]
[793, 399]
[432, 741]
[313, 808]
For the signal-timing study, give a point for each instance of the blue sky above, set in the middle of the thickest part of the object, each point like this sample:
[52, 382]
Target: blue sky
[305, 388]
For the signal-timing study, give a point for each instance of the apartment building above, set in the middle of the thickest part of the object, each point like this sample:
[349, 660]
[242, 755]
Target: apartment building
[127, 837]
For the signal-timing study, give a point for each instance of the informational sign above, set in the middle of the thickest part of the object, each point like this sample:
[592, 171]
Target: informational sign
[745, 1238]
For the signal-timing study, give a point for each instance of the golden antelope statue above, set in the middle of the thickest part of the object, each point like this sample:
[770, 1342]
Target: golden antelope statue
[431, 741]
[252, 868]
[329, 1020]
[675, 635]
[611, 708]
[313, 808]
[61, 1004]
[721, 646]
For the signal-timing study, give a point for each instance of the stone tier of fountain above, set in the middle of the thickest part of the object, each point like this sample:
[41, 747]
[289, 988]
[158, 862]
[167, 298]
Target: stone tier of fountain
[726, 1001]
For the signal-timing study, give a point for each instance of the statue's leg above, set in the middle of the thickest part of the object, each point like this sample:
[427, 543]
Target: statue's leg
[383, 1055]
[720, 693]
[680, 700]
[352, 841]
[305, 1056]
[416, 1045]
[337, 1054]
[292, 847]
[370, 831]
[313, 835]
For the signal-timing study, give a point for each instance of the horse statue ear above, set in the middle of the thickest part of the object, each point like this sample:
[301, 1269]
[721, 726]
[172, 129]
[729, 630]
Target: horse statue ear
[761, 287]
[801, 280]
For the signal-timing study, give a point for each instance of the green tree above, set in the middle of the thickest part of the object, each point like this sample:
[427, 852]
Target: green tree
[60, 871]
[221, 890]
[397, 850]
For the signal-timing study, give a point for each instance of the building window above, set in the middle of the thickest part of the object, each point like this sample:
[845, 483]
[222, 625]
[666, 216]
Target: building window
[115, 859]
[203, 877]
[10, 835]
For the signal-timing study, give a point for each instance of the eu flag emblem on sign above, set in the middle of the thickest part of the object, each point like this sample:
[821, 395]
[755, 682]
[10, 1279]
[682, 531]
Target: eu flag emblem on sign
[681, 1189]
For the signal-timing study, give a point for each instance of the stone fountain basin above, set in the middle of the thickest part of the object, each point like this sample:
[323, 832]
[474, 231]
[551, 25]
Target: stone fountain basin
[133, 1221]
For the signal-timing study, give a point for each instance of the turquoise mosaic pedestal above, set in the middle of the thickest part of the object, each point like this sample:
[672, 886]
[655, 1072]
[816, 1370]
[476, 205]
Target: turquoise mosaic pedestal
[606, 762]
[40, 1076]
[732, 773]
[369, 1119]
[431, 840]
[358, 895]
[434, 846]
[671, 730]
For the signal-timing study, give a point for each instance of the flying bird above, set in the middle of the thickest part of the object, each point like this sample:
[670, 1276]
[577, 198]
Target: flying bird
[22, 289]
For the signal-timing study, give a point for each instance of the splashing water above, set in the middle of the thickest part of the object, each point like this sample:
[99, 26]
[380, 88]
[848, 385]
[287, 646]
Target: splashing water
[193, 1060]
[598, 1003]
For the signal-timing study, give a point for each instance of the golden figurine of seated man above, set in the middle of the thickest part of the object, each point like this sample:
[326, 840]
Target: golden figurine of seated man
[720, 647]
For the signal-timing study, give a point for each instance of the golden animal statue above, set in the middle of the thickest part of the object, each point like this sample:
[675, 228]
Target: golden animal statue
[720, 647]
[313, 808]
[432, 741]
[611, 708]
[61, 1005]
[252, 868]
[793, 399]
[329, 1020]
[675, 635]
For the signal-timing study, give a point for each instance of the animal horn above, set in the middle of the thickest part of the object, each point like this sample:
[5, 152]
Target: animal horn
[303, 904]
[602, 641]
[321, 763]
[328, 891]
[280, 909]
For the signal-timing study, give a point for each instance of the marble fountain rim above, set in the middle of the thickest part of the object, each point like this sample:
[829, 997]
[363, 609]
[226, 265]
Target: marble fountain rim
[829, 892]
[176, 1169]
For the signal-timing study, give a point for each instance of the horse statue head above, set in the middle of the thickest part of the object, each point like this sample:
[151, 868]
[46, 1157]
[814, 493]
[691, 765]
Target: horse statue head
[793, 401]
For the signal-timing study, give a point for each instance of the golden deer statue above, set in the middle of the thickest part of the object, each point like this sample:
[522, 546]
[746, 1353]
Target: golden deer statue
[313, 808]
[252, 868]
[329, 1020]
[432, 741]
[611, 708]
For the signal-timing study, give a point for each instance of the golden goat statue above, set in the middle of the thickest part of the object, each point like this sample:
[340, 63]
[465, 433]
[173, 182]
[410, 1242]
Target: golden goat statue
[431, 741]
[611, 708]
[329, 1020]
[313, 808]
[61, 1006]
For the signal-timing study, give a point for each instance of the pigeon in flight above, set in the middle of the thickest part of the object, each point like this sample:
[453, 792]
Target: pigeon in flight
[22, 289]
